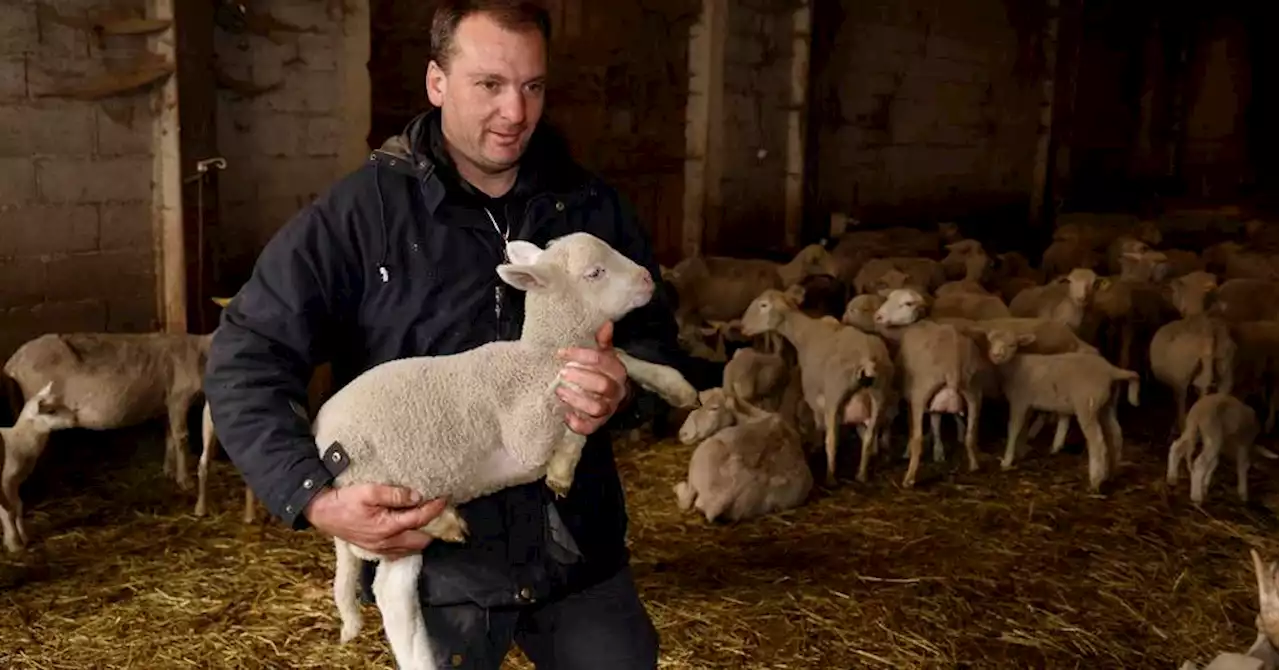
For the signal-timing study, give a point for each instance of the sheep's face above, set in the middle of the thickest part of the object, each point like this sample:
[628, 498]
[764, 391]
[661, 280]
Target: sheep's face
[1002, 345]
[1080, 285]
[47, 411]
[861, 311]
[712, 415]
[902, 307]
[815, 260]
[767, 312]
[1193, 293]
[580, 268]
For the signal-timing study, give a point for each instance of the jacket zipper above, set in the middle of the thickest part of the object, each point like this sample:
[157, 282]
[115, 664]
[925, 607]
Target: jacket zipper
[497, 289]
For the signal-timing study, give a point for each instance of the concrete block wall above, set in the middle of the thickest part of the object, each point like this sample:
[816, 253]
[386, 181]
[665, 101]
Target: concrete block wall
[927, 109]
[288, 144]
[76, 243]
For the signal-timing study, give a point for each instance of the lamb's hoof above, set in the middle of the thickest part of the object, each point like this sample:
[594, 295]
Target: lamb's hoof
[559, 487]
[449, 526]
[350, 629]
[687, 398]
[1006, 465]
[830, 481]
[200, 508]
[908, 482]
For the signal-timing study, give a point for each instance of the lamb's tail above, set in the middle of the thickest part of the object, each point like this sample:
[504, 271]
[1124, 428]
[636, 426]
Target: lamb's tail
[1134, 379]
[685, 495]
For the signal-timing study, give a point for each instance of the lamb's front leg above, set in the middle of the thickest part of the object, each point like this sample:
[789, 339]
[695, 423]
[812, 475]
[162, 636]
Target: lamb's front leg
[667, 382]
[563, 461]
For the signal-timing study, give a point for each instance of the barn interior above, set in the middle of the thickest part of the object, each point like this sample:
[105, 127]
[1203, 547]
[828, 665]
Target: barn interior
[163, 143]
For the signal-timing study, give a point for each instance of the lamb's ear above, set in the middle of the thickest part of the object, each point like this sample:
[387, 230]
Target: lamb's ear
[525, 277]
[523, 253]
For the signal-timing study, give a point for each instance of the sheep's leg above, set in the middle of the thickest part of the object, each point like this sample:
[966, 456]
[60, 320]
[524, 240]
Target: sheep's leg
[935, 429]
[1177, 452]
[973, 399]
[1180, 399]
[915, 444]
[1097, 445]
[448, 526]
[177, 443]
[563, 461]
[7, 522]
[1115, 436]
[1017, 419]
[830, 440]
[395, 589]
[869, 439]
[346, 587]
[1037, 424]
[1204, 466]
[210, 442]
[249, 505]
[686, 495]
[1060, 433]
[1243, 459]
[667, 382]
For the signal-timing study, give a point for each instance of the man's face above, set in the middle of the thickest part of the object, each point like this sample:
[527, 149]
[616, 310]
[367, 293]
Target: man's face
[492, 94]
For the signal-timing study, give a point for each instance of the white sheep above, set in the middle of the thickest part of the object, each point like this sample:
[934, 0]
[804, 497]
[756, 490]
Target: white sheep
[1218, 422]
[719, 288]
[847, 375]
[1065, 299]
[1197, 350]
[757, 377]
[118, 380]
[20, 447]
[752, 467]
[465, 425]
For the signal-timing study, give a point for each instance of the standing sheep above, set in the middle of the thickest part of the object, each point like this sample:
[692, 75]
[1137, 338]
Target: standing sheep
[719, 288]
[1065, 299]
[20, 447]
[846, 374]
[751, 468]
[1196, 350]
[464, 425]
[1219, 422]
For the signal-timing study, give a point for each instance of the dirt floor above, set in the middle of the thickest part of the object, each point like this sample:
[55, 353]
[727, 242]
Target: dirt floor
[986, 570]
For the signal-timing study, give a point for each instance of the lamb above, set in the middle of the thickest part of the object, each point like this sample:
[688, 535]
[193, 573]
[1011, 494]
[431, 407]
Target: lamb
[847, 375]
[719, 288]
[753, 467]
[1263, 655]
[1074, 384]
[1217, 421]
[489, 417]
[942, 372]
[117, 380]
[20, 447]
[1195, 350]
[1064, 300]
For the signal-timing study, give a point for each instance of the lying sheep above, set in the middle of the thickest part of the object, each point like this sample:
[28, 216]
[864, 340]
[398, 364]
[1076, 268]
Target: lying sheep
[719, 288]
[1220, 423]
[118, 380]
[753, 467]
[20, 447]
[1196, 350]
[469, 424]
[847, 375]
[1064, 300]
[1075, 384]
[942, 373]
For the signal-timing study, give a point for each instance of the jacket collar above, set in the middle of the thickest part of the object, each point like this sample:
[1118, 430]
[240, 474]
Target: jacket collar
[419, 151]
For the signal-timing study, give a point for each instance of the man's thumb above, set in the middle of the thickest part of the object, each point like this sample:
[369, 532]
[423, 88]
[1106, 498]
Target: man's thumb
[604, 336]
[393, 496]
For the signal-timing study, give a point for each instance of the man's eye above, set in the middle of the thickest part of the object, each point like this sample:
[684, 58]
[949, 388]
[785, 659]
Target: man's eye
[489, 85]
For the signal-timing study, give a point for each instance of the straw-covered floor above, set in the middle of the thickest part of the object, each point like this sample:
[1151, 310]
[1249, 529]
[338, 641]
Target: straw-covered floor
[986, 570]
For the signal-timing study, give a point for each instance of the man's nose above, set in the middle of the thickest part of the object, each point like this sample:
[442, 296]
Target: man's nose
[513, 107]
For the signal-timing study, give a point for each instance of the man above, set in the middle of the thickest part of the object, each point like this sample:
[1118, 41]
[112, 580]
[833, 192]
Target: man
[397, 260]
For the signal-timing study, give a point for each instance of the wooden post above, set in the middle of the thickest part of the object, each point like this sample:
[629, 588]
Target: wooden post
[801, 42]
[1040, 168]
[357, 96]
[704, 127]
[198, 141]
[166, 182]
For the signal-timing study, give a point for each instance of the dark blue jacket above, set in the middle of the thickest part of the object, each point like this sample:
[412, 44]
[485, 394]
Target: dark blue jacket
[397, 259]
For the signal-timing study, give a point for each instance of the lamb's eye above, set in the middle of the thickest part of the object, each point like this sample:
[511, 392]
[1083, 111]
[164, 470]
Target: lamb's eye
[595, 273]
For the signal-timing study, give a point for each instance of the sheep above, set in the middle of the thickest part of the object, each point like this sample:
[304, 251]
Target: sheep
[1064, 300]
[1070, 384]
[1255, 367]
[719, 288]
[965, 259]
[861, 312]
[1011, 273]
[1131, 301]
[1064, 255]
[1263, 654]
[942, 373]
[847, 375]
[1218, 421]
[1251, 265]
[465, 425]
[756, 377]
[1195, 350]
[118, 380]
[1181, 262]
[1247, 300]
[20, 447]
[923, 274]
[968, 306]
[751, 468]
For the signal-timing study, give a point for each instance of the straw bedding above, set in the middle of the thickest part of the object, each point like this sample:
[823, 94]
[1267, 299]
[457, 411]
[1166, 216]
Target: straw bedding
[985, 570]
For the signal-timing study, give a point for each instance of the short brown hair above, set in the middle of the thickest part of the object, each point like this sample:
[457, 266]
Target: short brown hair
[510, 14]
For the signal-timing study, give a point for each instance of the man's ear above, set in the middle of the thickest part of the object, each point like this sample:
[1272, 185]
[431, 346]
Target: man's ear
[525, 277]
[435, 83]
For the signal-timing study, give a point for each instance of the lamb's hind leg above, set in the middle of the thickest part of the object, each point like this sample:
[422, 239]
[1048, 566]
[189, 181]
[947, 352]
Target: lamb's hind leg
[563, 461]
[346, 585]
[395, 589]
[448, 526]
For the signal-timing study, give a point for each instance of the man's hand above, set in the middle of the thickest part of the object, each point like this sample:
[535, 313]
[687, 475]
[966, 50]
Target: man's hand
[379, 518]
[602, 379]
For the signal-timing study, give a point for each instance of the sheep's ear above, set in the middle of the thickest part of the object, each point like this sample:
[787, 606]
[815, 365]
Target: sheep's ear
[795, 293]
[524, 277]
[523, 253]
[1026, 338]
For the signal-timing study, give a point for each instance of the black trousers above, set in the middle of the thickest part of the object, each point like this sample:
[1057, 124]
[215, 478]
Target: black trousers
[603, 627]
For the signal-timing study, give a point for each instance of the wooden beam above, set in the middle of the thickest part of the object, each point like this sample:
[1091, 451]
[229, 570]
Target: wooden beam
[166, 182]
[198, 141]
[356, 104]
[797, 113]
[704, 128]
[1040, 168]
